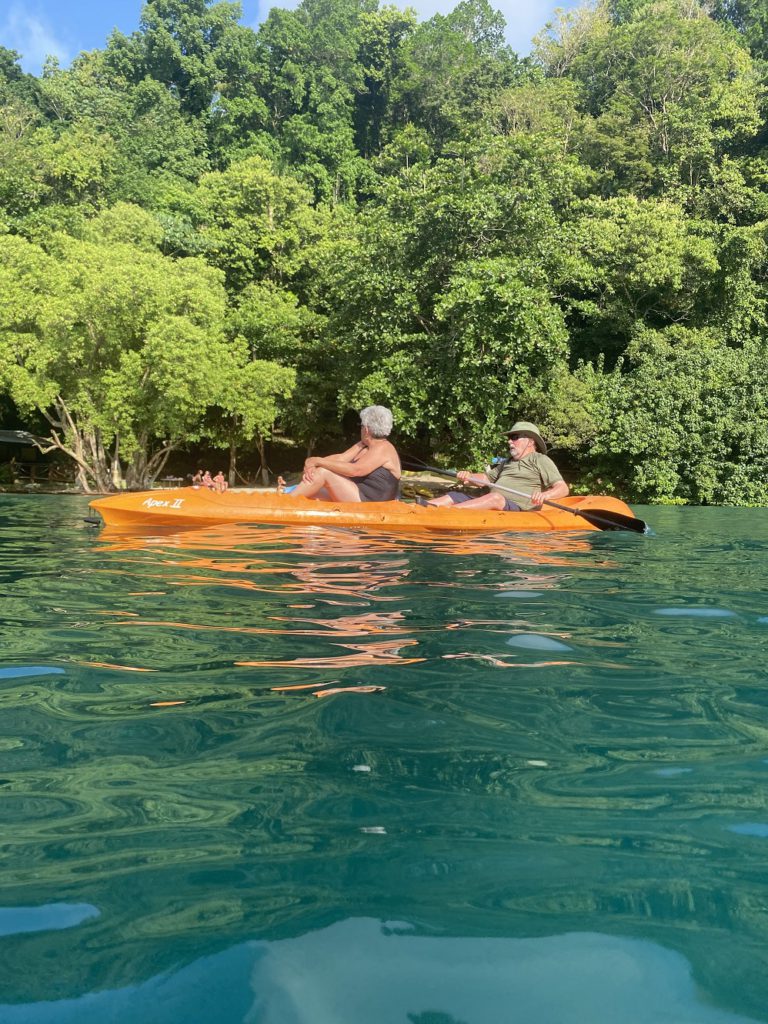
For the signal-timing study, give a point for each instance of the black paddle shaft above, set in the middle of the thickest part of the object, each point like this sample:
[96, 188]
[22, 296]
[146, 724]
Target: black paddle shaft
[602, 518]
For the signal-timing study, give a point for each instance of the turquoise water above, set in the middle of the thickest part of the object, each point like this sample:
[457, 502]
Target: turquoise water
[554, 812]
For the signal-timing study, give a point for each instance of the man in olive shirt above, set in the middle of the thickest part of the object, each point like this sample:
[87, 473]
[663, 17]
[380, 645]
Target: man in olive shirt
[528, 469]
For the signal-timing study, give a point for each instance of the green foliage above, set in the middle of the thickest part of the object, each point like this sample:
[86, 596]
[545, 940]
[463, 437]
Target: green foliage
[150, 138]
[254, 222]
[273, 323]
[750, 19]
[249, 400]
[207, 230]
[685, 420]
[178, 46]
[446, 286]
[667, 90]
[15, 85]
[123, 224]
[252, 395]
[501, 340]
[452, 66]
[311, 79]
[633, 262]
[383, 33]
[115, 344]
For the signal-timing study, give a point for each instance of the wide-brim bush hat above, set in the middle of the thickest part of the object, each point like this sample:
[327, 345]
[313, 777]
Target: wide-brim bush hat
[529, 430]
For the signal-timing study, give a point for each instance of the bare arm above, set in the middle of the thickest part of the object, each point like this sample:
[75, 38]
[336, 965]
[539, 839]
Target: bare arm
[557, 490]
[362, 466]
[481, 479]
[315, 461]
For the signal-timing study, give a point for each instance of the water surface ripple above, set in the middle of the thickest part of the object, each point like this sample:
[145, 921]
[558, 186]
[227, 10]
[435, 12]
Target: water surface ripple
[270, 775]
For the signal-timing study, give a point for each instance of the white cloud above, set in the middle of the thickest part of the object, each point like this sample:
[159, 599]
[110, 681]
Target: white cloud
[32, 37]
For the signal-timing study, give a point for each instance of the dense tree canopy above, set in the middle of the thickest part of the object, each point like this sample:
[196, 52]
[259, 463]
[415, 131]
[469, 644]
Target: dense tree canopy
[210, 232]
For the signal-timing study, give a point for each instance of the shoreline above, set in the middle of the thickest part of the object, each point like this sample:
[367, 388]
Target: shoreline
[415, 480]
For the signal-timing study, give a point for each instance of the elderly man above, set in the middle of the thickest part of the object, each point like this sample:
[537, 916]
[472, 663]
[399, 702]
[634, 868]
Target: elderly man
[528, 469]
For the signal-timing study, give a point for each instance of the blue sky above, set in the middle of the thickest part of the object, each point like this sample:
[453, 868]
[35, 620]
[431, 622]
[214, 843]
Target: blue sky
[36, 28]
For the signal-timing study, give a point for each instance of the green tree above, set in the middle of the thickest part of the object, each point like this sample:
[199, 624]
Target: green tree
[382, 37]
[750, 19]
[239, 116]
[451, 66]
[254, 222]
[461, 384]
[280, 330]
[668, 91]
[634, 262]
[248, 402]
[685, 420]
[448, 286]
[23, 185]
[15, 84]
[313, 77]
[117, 346]
[153, 143]
[177, 46]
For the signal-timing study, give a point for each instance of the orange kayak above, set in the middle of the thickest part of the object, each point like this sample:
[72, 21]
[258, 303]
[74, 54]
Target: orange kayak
[193, 506]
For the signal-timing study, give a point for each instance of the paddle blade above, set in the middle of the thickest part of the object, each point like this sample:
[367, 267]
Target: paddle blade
[605, 519]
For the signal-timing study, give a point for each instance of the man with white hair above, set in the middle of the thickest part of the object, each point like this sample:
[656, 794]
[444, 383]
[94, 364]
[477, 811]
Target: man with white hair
[528, 470]
[368, 471]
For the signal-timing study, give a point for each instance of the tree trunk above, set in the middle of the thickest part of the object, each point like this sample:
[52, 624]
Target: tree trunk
[232, 461]
[159, 460]
[263, 469]
[117, 470]
[83, 447]
[145, 468]
[98, 461]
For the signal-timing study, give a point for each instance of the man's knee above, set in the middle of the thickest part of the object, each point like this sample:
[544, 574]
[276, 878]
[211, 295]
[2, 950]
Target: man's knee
[498, 501]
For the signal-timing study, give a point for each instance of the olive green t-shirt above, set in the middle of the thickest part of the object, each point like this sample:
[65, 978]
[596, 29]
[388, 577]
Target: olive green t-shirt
[536, 472]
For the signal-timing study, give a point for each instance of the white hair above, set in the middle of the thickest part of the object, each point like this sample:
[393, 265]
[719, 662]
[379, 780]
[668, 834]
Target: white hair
[378, 419]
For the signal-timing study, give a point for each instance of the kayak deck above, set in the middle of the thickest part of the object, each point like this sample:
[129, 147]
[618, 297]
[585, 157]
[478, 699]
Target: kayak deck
[193, 506]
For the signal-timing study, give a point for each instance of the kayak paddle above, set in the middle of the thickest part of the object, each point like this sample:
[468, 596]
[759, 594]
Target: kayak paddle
[602, 518]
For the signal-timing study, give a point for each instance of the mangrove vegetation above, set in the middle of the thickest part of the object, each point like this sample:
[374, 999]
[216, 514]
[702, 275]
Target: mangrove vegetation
[211, 234]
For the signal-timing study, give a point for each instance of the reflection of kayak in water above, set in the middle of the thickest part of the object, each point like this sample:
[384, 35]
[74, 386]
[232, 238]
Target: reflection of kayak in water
[190, 506]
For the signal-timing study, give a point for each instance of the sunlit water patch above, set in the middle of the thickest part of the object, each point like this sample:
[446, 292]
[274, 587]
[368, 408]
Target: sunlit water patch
[232, 759]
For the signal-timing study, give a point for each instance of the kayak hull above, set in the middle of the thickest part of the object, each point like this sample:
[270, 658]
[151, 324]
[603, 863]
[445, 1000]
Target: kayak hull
[193, 506]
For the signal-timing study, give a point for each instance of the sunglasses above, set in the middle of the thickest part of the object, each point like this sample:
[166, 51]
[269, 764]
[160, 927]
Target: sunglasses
[516, 437]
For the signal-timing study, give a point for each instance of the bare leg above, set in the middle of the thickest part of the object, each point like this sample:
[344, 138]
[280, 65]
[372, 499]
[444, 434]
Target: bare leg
[328, 486]
[491, 500]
